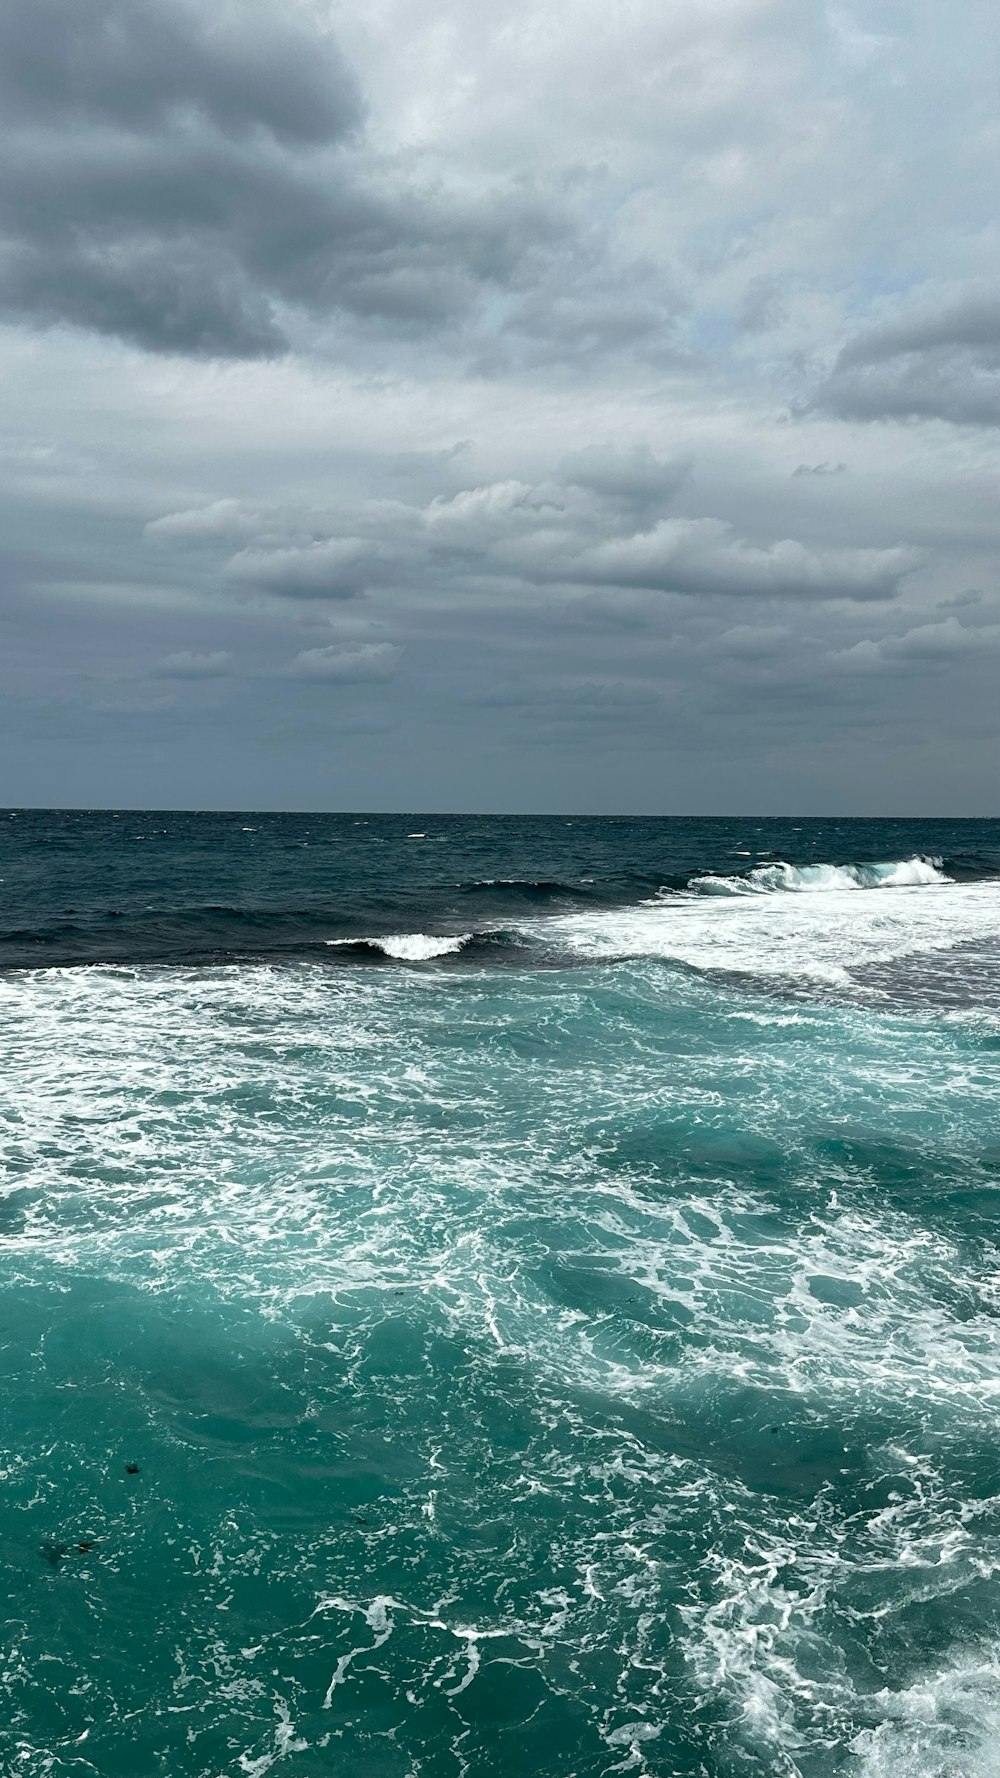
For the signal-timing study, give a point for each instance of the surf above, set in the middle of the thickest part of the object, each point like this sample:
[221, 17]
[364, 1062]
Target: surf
[791, 879]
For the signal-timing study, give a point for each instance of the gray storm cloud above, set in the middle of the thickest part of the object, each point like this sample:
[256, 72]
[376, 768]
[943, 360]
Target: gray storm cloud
[187, 182]
[143, 64]
[938, 365]
[557, 407]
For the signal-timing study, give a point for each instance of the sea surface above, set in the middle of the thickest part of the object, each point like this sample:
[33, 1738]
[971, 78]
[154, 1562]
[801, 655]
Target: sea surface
[488, 1296]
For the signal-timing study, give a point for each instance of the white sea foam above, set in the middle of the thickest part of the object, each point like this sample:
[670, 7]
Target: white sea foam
[410, 947]
[341, 1150]
[826, 937]
[420, 947]
[764, 1645]
[944, 1725]
[769, 879]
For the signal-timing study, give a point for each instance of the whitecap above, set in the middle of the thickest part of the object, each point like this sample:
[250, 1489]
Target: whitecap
[768, 879]
[410, 947]
[946, 1725]
[827, 937]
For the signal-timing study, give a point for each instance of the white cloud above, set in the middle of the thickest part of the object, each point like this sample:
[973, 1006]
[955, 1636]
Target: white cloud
[704, 556]
[475, 509]
[331, 568]
[938, 641]
[350, 666]
[933, 645]
[220, 519]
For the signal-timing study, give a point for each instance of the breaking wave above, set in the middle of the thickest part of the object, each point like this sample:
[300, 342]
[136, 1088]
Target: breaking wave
[405, 947]
[768, 879]
[429, 947]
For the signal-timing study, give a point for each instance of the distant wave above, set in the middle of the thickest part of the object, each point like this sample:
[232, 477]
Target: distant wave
[527, 889]
[769, 879]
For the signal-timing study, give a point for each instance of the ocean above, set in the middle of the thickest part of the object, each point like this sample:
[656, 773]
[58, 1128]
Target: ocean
[486, 1295]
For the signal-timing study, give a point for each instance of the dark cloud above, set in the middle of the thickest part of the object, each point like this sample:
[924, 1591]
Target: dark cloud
[943, 365]
[188, 184]
[142, 64]
[191, 299]
[969, 601]
[549, 238]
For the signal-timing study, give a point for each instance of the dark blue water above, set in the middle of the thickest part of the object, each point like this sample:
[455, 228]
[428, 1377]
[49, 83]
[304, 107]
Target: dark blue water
[91, 887]
[482, 1295]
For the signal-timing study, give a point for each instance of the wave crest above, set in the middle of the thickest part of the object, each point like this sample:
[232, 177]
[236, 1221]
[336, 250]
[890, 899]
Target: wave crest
[770, 879]
[528, 889]
[429, 947]
[406, 947]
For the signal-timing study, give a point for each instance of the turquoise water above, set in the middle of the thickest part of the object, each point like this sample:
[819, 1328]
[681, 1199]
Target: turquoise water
[579, 1362]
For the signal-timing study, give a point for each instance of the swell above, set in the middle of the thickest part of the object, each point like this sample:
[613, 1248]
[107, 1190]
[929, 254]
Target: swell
[151, 934]
[530, 889]
[232, 935]
[409, 921]
[487, 895]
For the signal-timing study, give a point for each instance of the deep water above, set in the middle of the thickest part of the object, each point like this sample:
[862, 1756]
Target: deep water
[487, 1296]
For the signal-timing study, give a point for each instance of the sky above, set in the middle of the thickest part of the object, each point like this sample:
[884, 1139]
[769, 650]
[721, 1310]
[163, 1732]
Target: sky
[418, 405]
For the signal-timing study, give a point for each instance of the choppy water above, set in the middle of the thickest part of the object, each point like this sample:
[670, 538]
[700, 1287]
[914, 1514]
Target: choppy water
[554, 1331]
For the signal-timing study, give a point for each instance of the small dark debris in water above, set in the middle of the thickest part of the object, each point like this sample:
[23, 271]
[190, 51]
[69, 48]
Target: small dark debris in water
[131, 1469]
[54, 1553]
[359, 1516]
[87, 1544]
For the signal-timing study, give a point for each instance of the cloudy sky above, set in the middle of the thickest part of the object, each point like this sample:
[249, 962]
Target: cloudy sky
[422, 405]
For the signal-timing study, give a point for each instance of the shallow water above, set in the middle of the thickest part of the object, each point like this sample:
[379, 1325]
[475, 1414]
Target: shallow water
[580, 1361]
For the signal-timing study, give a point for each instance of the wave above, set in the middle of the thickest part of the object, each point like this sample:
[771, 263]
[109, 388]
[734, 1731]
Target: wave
[404, 947]
[769, 879]
[887, 948]
[544, 921]
[429, 947]
[529, 889]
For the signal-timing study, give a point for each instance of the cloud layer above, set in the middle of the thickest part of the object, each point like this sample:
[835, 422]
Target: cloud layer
[194, 182]
[416, 406]
[594, 527]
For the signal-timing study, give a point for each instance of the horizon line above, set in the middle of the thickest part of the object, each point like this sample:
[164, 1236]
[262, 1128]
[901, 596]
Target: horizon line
[457, 814]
